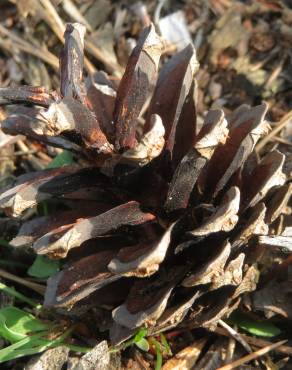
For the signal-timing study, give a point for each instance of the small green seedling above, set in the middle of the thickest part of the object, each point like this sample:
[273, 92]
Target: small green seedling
[138, 339]
[158, 348]
[143, 342]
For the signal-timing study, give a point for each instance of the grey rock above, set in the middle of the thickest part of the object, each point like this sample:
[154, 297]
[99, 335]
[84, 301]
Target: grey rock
[52, 359]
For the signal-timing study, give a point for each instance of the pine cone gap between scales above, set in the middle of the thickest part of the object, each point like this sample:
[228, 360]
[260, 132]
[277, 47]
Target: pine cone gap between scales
[165, 221]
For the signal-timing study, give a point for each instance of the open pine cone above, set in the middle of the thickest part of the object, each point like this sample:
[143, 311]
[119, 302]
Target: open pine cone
[164, 217]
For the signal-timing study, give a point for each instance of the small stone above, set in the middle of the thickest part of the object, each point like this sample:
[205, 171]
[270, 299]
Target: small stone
[52, 359]
[97, 359]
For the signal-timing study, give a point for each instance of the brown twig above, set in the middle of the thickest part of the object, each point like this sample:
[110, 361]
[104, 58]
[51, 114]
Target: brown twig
[24, 46]
[100, 56]
[74, 13]
[256, 341]
[261, 64]
[32, 158]
[283, 122]
[55, 22]
[230, 350]
[52, 18]
[252, 356]
[29, 284]
[276, 72]
[282, 141]
[236, 336]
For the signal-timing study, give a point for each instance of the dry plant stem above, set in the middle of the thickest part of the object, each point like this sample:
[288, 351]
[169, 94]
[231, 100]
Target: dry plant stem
[257, 342]
[252, 356]
[284, 121]
[261, 64]
[281, 363]
[99, 55]
[44, 156]
[41, 54]
[236, 336]
[19, 153]
[54, 21]
[33, 286]
[73, 12]
[22, 45]
[157, 12]
[230, 350]
[57, 25]
[23, 146]
[32, 158]
[282, 141]
[275, 72]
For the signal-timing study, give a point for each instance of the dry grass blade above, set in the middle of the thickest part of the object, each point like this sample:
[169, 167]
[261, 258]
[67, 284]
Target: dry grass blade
[16, 42]
[283, 242]
[276, 72]
[33, 286]
[52, 18]
[71, 9]
[236, 336]
[111, 67]
[287, 350]
[252, 356]
[284, 121]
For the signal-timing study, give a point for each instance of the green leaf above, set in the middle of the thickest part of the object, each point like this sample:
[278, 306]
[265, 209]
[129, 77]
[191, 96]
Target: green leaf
[30, 345]
[34, 344]
[15, 324]
[75, 348]
[165, 344]
[4, 242]
[11, 352]
[63, 159]
[259, 328]
[140, 334]
[43, 267]
[157, 345]
[143, 344]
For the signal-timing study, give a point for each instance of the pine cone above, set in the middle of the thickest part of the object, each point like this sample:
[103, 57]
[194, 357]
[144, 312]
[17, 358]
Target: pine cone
[164, 217]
